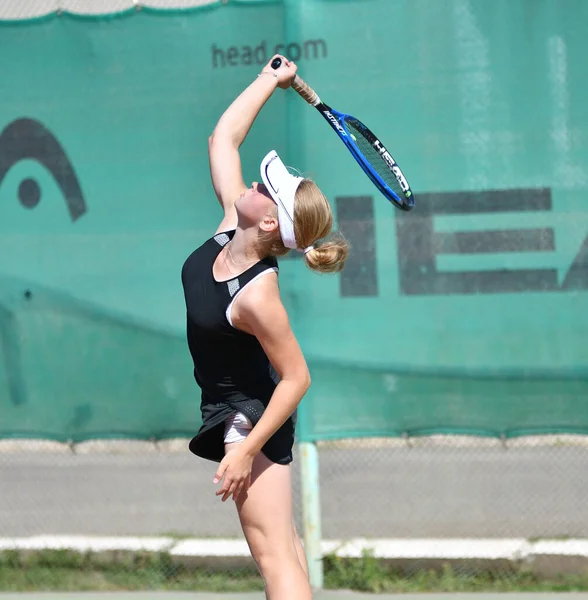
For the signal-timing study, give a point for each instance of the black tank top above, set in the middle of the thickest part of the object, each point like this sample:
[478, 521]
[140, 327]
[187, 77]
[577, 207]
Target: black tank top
[230, 366]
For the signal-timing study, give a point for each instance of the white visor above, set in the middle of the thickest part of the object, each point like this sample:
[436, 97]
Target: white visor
[282, 186]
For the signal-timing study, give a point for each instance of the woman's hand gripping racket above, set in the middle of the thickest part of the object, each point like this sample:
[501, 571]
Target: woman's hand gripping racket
[365, 147]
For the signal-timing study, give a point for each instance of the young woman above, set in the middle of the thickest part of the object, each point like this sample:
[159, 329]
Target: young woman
[247, 361]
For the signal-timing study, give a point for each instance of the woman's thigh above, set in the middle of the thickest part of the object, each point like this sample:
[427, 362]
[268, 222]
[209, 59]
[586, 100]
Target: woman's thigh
[265, 510]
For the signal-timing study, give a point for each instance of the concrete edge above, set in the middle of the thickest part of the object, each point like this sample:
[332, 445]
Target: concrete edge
[546, 558]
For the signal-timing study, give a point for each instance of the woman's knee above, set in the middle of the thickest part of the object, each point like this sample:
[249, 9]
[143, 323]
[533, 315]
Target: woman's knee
[271, 558]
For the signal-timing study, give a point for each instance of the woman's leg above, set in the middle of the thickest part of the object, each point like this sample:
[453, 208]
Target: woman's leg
[265, 512]
[299, 549]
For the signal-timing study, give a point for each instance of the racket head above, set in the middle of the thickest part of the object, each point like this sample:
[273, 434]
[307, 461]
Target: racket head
[373, 157]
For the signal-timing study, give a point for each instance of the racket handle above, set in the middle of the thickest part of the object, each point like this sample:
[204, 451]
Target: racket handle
[300, 86]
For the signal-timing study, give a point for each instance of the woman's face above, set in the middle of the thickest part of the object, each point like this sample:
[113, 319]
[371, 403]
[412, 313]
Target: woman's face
[255, 204]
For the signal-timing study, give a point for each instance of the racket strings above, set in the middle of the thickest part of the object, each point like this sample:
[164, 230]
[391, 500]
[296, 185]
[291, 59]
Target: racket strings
[364, 139]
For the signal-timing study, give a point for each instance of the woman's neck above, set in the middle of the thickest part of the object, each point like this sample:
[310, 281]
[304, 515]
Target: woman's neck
[243, 249]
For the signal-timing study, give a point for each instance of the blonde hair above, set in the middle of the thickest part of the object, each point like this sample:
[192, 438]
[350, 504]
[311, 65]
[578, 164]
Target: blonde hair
[313, 222]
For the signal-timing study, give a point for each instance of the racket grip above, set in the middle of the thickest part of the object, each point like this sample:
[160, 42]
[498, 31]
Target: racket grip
[300, 86]
[305, 91]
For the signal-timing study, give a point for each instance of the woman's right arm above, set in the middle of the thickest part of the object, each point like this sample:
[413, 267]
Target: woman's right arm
[231, 130]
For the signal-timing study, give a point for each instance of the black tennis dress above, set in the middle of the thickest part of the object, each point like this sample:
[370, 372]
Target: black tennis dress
[230, 366]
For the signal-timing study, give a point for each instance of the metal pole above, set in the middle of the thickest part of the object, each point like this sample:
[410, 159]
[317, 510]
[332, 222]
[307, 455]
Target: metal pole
[311, 512]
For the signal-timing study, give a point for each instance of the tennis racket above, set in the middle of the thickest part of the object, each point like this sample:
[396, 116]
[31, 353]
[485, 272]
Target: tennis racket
[369, 152]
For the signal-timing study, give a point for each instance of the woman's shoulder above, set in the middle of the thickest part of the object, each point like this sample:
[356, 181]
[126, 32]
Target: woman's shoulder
[217, 241]
[269, 262]
[208, 248]
[222, 236]
[261, 292]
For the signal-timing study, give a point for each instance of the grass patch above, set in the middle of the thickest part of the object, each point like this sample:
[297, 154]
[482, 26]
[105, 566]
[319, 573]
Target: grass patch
[64, 570]
[369, 574]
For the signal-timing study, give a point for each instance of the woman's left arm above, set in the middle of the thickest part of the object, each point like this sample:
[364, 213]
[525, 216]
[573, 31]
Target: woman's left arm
[260, 311]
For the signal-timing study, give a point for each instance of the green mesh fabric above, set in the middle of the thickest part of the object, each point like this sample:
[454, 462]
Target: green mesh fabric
[467, 314]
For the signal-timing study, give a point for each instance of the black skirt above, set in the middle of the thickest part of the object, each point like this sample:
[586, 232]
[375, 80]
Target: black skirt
[209, 443]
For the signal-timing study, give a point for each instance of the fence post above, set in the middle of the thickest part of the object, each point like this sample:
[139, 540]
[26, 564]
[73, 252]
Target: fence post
[311, 512]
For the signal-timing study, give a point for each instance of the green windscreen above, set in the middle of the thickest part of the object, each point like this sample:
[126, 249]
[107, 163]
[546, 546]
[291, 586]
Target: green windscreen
[467, 314]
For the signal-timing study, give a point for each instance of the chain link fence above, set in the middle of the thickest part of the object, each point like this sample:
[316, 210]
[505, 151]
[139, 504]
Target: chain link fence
[396, 513]
[147, 512]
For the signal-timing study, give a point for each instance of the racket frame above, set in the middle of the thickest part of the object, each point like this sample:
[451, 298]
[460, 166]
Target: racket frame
[336, 120]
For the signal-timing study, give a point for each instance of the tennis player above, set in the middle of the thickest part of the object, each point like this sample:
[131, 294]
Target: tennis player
[247, 360]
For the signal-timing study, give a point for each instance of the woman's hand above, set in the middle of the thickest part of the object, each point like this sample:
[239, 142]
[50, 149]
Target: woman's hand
[235, 467]
[285, 72]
